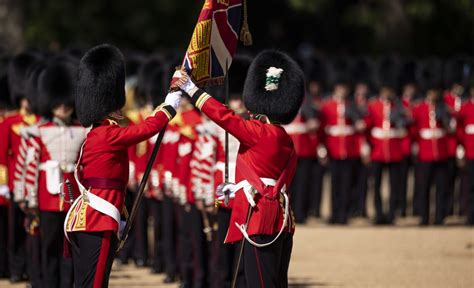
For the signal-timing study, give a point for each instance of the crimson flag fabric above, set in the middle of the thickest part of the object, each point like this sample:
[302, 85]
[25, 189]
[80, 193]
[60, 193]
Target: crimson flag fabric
[214, 41]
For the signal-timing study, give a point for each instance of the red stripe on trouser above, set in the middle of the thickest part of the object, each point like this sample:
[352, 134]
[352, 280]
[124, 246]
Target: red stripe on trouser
[258, 267]
[102, 261]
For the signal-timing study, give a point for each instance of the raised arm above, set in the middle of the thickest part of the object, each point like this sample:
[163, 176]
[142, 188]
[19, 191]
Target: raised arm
[247, 132]
[132, 135]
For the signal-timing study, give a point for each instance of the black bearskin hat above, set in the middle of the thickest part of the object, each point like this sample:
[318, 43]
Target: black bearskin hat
[407, 73]
[237, 75]
[56, 85]
[363, 71]
[31, 88]
[340, 71]
[456, 71]
[317, 71]
[151, 82]
[100, 86]
[430, 75]
[17, 75]
[278, 96]
[5, 102]
[388, 70]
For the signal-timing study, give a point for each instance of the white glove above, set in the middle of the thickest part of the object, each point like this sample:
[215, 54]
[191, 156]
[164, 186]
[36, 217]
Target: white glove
[185, 83]
[4, 191]
[173, 99]
[224, 188]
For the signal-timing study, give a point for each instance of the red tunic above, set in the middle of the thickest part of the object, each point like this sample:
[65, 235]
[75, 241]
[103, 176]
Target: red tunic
[188, 136]
[466, 128]
[429, 133]
[105, 156]
[53, 148]
[386, 141]
[165, 168]
[339, 133]
[454, 104]
[266, 149]
[304, 137]
[10, 130]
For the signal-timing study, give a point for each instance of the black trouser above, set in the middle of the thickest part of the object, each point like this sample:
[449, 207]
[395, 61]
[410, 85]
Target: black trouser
[357, 203]
[417, 190]
[227, 255]
[301, 188]
[17, 241]
[141, 232]
[34, 261]
[268, 266]
[470, 197]
[128, 249]
[155, 208]
[3, 241]
[93, 254]
[403, 196]
[56, 269]
[395, 171]
[193, 260]
[316, 189]
[342, 172]
[451, 189]
[432, 173]
[169, 236]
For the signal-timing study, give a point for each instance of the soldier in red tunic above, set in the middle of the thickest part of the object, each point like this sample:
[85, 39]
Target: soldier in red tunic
[266, 162]
[387, 122]
[466, 137]
[339, 115]
[431, 125]
[9, 149]
[51, 149]
[94, 220]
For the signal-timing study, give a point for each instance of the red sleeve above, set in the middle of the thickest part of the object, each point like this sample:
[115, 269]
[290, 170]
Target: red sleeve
[124, 137]
[246, 131]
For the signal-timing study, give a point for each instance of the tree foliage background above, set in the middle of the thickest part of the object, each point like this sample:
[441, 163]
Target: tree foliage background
[420, 27]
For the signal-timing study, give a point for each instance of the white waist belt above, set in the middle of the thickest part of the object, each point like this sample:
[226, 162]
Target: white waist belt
[68, 168]
[469, 129]
[247, 188]
[380, 133]
[340, 130]
[432, 133]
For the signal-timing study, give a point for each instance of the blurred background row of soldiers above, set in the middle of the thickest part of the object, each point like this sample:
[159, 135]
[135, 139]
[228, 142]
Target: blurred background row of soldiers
[362, 116]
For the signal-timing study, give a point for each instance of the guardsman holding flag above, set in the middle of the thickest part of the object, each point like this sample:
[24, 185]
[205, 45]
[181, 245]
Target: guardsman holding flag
[94, 220]
[266, 162]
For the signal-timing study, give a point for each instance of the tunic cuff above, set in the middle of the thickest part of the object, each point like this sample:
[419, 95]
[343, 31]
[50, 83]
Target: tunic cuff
[168, 110]
[200, 98]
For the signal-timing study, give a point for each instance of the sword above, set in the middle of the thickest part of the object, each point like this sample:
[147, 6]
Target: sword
[226, 139]
[141, 190]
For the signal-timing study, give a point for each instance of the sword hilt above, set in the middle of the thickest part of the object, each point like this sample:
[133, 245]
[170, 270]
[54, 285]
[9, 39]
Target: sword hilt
[69, 191]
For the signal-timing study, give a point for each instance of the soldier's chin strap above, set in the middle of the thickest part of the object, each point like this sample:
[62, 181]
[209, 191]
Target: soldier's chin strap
[243, 227]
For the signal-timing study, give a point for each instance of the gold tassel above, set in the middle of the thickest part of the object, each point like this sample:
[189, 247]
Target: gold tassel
[245, 35]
